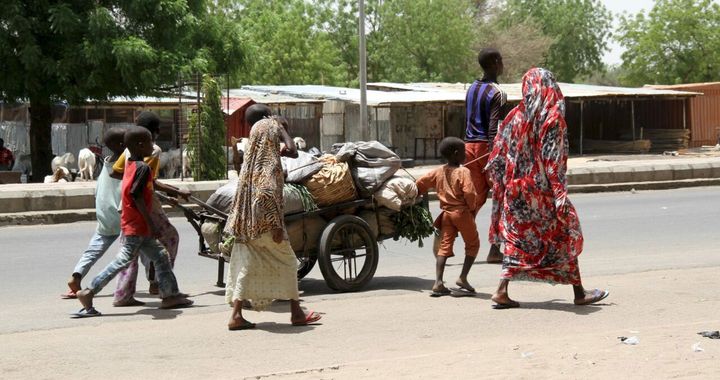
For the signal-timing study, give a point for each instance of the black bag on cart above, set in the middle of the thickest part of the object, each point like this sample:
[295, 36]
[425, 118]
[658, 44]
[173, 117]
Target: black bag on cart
[371, 164]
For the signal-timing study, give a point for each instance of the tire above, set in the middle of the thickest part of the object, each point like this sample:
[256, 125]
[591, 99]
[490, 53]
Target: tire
[305, 265]
[345, 239]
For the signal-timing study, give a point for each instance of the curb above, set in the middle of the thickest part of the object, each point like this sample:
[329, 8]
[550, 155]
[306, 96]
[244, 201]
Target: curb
[32, 218]
[88, 214]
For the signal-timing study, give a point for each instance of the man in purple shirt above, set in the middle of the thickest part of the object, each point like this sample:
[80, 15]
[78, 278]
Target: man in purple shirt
[483, 105]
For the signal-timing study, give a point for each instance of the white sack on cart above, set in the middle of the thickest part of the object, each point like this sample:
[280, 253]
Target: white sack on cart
[224, 197]
[372, 164]
[396, 193]
[301, 168]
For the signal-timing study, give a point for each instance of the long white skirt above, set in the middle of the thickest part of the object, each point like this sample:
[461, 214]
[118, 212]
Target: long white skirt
[261, 271]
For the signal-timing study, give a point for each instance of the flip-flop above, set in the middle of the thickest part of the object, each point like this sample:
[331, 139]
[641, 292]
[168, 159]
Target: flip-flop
[440, 293]
[311, 317]
[503, 306]
[179, 305]
[461, 292]
[86, 313]
[70, 295]
[598, 295]
[244, 326]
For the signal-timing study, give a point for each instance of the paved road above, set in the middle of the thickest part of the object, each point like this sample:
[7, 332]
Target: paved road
[625, 233]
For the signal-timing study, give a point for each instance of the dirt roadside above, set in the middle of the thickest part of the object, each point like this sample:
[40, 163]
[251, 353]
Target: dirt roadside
[406, 336]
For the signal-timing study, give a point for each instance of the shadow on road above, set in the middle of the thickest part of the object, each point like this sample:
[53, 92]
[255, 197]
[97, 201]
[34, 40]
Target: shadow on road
[312, 287]
[563, 305]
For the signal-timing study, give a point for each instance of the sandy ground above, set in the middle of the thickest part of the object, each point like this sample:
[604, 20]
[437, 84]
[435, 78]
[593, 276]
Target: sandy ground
[403, 336]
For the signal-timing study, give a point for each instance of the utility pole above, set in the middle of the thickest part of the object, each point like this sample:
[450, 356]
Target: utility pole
[364, 129]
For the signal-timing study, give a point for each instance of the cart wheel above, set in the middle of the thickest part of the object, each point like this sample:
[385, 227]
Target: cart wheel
[348, 253]
[305, 265]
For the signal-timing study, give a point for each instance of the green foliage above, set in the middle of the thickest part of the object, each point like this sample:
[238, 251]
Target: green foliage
[423, 40]
[677, 42]
[92, 50]
[522, 44]
[414, 223]
[207, 136]
[286, 44]
[579, 29]
[306, 42]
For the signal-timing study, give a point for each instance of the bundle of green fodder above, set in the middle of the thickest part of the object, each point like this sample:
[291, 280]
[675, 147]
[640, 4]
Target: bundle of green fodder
[414, 223]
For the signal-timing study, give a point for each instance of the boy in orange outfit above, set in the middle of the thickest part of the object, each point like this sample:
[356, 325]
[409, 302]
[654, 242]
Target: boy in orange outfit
[459, 205]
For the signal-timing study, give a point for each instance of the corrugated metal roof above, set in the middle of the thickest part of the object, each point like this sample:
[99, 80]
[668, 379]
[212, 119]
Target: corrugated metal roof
[570, 90]
[374, 98]
[269, 97]
[235, 104]
[685, 86]
[148, 99]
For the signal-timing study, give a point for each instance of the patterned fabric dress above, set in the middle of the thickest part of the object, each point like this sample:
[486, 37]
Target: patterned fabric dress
[531, 213]
[260, 270]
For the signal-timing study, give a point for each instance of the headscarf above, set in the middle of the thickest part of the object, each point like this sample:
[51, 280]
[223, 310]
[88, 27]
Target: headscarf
[258, 206]
[542, 105]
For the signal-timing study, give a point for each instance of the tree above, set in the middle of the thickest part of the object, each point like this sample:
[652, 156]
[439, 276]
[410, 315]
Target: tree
[677, 42]
[422, 40]
[522, 45]
[207, 135]
[286, 44]
[92, 50]
[579, 29]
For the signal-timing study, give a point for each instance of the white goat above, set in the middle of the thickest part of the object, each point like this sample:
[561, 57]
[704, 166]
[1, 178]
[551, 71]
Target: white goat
[300, 143]
[170, 162]
[65, 160]
[86, 164]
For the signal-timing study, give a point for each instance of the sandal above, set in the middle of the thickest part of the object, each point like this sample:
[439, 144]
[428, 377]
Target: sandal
[598, 295]
[86, 313]
[439, 293]
[246, 325]
[311, 317]
[70, 295]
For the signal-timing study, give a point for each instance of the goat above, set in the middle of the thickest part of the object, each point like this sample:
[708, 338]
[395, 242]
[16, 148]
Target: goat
[65, 160]
[170, 162]
[86, 164]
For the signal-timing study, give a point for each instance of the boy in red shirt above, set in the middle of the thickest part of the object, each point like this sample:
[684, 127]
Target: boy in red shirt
[138, 229]
[459, 205]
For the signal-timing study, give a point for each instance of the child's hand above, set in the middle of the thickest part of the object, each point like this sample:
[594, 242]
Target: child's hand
[278, 235]
[185, 194]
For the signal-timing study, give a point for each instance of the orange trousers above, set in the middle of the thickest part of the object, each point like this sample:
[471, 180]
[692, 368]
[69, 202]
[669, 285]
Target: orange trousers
[473, 150]
[452, 222]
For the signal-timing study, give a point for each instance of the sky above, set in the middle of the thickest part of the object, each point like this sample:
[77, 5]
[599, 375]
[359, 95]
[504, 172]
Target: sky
[612, 56]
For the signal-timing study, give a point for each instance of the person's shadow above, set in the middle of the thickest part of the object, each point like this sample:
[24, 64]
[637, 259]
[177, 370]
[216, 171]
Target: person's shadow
[564, 306]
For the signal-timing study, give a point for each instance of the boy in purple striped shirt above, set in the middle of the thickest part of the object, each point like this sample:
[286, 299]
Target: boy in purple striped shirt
[483, 105]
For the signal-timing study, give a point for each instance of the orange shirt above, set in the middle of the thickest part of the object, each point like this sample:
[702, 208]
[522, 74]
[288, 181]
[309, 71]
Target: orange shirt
[454, 187]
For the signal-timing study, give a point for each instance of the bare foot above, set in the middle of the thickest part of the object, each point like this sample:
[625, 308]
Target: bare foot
[130, 302]
[86, 298]
[463, 284]
[594, 296]
[175, 302]
[74, 283]
[494, 256]
[503, 301]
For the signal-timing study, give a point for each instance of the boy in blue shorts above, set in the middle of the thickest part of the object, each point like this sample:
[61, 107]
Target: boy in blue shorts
[107, 204]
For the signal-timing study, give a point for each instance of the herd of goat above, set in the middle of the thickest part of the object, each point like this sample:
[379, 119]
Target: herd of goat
[90, 164]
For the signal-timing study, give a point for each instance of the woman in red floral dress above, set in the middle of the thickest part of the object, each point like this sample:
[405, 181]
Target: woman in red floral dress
[532, 214]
